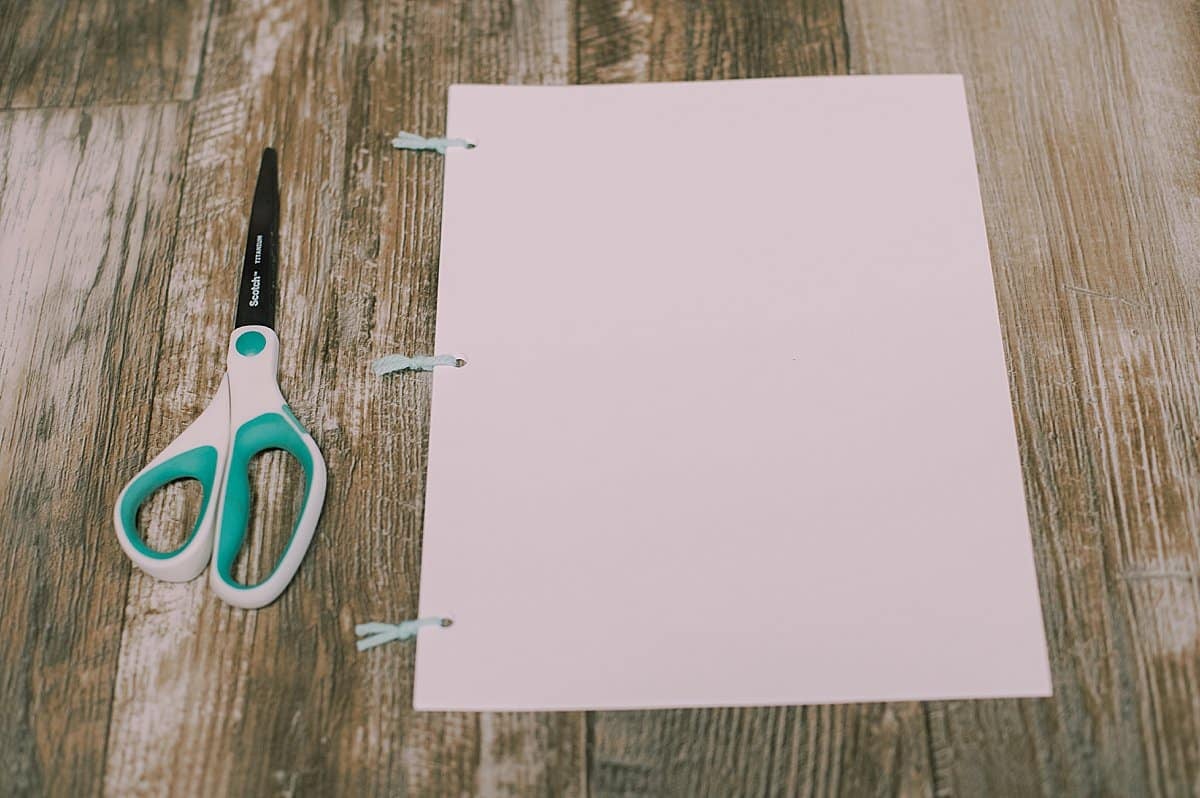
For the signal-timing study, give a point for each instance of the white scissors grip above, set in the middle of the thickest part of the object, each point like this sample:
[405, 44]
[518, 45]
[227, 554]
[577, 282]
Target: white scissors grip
[260, 420]
[200, 453]
[246, 417]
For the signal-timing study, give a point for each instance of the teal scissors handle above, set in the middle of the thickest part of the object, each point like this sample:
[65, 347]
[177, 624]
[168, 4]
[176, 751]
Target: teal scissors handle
[199, 453]
[246, 417]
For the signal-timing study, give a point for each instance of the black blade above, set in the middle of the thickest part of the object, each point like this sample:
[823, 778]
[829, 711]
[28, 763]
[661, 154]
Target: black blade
[256, 300]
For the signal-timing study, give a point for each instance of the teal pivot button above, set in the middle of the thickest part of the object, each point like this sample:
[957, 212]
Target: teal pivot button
[251, 343]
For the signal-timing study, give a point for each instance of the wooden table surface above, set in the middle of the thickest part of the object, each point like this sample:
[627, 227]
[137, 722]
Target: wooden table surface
[129, 139]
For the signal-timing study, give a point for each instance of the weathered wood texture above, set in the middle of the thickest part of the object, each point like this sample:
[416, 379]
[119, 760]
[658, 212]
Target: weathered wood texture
[1085, 118]
[82, 52]
[120, 237]
[88, 202]
[618, 41]
[279, 699]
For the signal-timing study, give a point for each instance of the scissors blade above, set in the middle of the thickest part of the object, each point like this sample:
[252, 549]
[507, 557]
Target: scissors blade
[256, 300]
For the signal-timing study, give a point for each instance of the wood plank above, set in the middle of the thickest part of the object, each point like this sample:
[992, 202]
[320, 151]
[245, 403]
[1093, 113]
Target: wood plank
[1085, 116]
[857, 749]
[641, 40]
[211, 700]
[87, 213]
[81, 52]
[848, 749]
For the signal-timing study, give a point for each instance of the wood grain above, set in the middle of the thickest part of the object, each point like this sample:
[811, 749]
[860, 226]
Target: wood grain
[1085, 117]
[83, 52]
[218, 701]
[868, 749]
[618, 41]
[88, 202]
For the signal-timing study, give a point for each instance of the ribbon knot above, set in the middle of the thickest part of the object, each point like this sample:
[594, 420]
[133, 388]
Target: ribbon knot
[389, 363]
[376, 634]
[411, 141]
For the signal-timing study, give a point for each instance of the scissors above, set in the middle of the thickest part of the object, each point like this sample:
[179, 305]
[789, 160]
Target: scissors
[247, 416]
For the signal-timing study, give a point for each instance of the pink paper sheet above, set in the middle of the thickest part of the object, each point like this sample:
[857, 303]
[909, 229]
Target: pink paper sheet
[735, 424]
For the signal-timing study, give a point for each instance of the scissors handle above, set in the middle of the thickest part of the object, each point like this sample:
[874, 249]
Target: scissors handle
[260, 420]
[199, 453]
[248, 416]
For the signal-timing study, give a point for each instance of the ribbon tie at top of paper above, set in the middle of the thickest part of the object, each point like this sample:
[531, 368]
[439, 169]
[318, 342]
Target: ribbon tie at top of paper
[411, 141]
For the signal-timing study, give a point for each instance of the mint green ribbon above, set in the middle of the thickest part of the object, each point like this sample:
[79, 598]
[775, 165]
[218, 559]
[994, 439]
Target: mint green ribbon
[411, 141]
[389, 363]
[376, 634]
